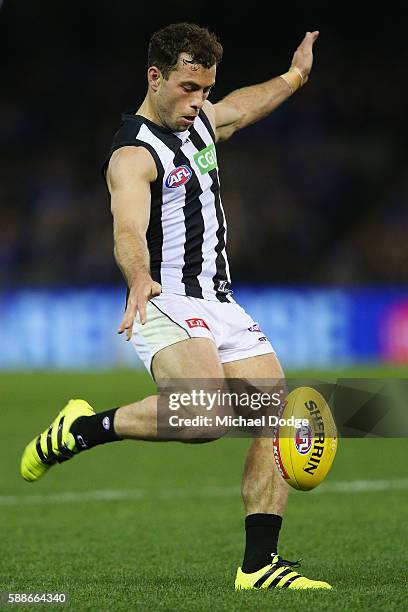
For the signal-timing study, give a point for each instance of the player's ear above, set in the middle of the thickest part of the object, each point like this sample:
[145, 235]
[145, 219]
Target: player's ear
[154, 77]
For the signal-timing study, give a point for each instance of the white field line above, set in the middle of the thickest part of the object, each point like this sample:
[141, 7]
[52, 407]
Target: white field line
[342, 486]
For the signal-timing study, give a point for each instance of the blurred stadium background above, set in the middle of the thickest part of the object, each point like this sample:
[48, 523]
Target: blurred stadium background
[316, 202]
[317, 213]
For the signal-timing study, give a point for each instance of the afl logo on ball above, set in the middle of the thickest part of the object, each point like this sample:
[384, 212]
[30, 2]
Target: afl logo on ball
[303, 439]
[179, 176]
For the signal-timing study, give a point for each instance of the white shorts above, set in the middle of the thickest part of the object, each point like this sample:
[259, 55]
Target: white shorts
[172, 318]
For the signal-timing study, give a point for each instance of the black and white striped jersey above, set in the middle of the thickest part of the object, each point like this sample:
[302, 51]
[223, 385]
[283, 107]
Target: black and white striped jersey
[187, 232]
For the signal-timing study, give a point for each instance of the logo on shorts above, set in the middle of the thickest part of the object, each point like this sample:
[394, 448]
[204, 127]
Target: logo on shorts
[197, 323]
[106, 422]
[303, 439]
[263, 339]
[255, 328]
[206, 159]
[178, 177]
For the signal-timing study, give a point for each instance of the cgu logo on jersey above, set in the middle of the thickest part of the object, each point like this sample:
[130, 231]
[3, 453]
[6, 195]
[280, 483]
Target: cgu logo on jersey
[206, 159]
[178, 177]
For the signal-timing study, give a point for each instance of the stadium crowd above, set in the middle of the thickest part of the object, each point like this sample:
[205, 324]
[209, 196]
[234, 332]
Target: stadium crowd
[315, 193]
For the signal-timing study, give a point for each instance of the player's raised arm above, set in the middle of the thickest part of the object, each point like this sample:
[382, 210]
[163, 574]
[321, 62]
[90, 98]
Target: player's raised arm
[249, 104]
[130, 172]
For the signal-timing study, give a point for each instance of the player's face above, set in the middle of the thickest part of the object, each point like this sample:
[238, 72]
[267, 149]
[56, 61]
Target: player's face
[181, 96]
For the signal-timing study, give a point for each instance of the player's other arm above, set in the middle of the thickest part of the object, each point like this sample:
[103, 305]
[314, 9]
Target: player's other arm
[130, 172]
[249, 104]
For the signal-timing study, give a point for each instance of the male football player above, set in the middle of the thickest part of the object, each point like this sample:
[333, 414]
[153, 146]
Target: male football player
[170, 244]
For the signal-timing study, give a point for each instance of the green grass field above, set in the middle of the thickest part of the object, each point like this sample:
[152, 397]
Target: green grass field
[139, 526]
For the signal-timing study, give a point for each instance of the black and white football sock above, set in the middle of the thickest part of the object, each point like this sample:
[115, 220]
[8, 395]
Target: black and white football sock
[262, 534]
[90, 431]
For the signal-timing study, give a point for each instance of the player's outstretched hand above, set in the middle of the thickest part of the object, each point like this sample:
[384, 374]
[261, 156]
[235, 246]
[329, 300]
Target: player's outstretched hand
[139, 295]
[303, 56]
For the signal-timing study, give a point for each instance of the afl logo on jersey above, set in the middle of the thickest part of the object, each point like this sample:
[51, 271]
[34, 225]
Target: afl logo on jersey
[179, 176]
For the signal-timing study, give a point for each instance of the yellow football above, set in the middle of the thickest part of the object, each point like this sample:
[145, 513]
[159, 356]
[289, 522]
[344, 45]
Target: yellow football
[304, 452]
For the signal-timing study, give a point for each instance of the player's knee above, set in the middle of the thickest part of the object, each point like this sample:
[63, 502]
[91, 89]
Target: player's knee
[197, 423]
[207, 434]
[198, 428]
[201, 434]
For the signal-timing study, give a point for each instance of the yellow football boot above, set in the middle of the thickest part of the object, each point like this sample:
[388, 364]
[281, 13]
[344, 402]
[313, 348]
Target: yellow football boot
[278, 575]
[55, 444]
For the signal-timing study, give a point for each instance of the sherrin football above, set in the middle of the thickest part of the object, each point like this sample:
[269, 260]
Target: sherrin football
[304, 454]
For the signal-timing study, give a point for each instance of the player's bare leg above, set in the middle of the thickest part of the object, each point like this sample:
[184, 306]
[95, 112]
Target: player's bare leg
[193, 358]
[265, 496]
[77, 428]
[263, 489]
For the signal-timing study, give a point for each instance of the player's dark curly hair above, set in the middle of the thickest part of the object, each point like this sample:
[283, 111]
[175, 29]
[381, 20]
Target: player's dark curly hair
[166, 45]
